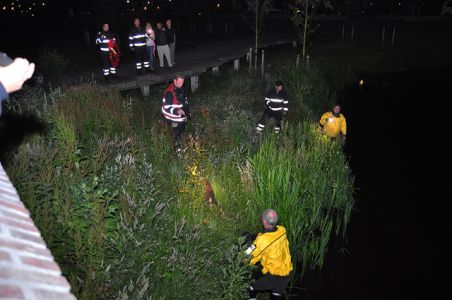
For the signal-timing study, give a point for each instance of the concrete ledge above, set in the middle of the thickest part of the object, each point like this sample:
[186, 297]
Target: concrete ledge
[27, 268]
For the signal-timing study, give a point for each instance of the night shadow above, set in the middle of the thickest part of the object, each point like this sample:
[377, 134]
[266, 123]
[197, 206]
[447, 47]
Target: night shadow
[14, 128]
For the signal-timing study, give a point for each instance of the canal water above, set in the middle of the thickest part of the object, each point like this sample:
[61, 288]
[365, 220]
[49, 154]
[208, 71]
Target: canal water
[398, 147]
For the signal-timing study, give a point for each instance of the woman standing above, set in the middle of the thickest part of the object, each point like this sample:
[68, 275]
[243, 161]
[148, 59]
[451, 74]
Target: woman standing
[150, 44]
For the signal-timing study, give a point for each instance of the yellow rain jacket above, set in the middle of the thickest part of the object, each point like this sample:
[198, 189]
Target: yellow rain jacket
[332, 125]
[272, 251]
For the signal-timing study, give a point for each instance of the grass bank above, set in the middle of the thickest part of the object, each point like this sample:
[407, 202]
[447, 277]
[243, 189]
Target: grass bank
[126, 219]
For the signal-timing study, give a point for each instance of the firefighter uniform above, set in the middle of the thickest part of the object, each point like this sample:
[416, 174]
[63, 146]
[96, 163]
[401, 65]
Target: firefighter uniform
[333, 124]
[137, 42]
[173, 99]
[276, 103]
[103, 38]
[271, 249]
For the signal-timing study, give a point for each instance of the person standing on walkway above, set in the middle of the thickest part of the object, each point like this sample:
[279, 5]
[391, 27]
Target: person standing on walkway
[175, 109]
[333, 124]
[162, 45]
[150, 44]
[103, 39]
[271, 249]
[276, 106]
[137, 43]
[171, 37]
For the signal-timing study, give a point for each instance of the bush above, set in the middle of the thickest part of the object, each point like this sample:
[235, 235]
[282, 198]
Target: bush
[51, 63]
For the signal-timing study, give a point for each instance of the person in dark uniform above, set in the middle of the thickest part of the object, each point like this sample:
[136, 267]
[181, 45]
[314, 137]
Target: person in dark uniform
[276, 106]
[175, 109]
[103, 39]
[137, 43]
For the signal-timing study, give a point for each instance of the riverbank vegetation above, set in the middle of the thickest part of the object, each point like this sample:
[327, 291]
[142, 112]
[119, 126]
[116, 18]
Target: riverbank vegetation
[127, 219]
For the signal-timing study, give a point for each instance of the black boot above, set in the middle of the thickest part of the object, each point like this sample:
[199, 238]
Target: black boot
[178, 146]
[252, 293]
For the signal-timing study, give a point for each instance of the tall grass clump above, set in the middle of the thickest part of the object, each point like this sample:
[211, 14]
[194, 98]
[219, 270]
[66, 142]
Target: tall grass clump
[306, 179]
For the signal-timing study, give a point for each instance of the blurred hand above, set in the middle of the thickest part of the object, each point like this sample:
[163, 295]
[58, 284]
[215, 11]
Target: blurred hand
[181, 112]
[14, 75]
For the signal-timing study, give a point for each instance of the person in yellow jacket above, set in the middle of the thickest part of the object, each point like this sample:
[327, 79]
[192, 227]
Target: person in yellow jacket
[271, 249]
[333, 124]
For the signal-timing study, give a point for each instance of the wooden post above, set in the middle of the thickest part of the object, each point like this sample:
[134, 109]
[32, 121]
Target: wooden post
[294, 44]
[352, 34]
[251, 58]
[297, 62]
[145, 90]
[308, 64]
[86, 34]
[383, 35]
[255, 58]
[237, 64]
[194, 83]
[210, 27]
[262, 63]
[393, 35]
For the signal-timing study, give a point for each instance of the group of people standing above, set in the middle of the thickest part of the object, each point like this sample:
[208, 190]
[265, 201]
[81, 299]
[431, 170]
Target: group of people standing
[144, 42]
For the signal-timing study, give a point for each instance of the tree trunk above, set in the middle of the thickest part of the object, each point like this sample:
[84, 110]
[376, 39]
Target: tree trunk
[305, 29]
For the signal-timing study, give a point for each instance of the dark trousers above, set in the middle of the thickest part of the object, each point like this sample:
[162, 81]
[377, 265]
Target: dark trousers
[276, 284]
[141, 58]
[268, 113]
[107, 68]
[177, 129]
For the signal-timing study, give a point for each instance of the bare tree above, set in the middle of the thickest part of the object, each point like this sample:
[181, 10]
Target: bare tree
[302, 13]
[254, 17]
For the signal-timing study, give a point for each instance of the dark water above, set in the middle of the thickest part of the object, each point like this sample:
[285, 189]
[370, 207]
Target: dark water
[398, 140]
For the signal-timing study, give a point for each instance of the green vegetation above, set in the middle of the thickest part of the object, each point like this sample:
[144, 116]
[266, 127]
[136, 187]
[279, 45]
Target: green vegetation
[51, 63]
[126, 219]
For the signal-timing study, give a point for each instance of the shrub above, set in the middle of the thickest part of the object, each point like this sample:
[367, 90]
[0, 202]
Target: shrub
[51, 63]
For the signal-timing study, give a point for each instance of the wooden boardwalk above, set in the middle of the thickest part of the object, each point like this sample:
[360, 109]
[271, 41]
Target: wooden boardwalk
[190, 63]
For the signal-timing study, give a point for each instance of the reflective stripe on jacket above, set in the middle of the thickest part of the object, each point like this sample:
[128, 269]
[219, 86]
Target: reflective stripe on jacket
[277, 101]
[137, 37]
[332, 125]
[174, 99]
[103, 38]
[272, 251]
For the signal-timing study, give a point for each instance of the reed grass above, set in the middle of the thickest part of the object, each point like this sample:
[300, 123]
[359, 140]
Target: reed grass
[127, 220]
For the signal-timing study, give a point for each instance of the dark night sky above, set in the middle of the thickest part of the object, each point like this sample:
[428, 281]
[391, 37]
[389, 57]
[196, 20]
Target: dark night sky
[37, 8]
